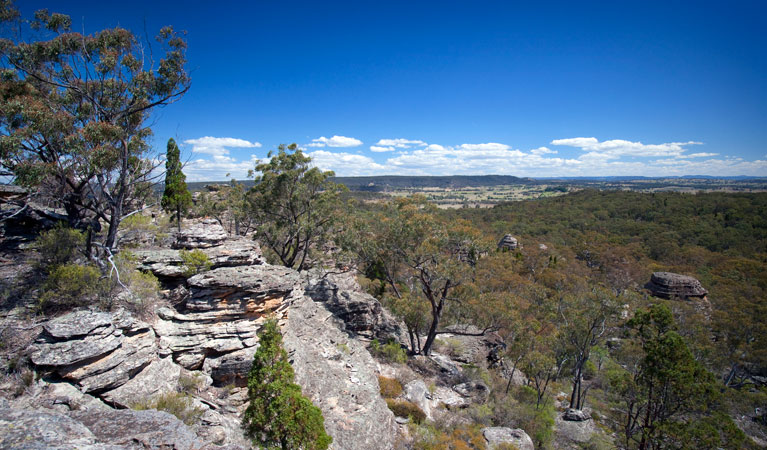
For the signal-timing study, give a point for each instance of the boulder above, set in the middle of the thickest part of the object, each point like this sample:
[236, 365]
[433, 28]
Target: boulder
[504, 435]
[339, 376]
[417, 392]
[508, 242]
[361, 313]
[575, 415]
[95, 350]
[30, 429]
[474, 390]
[200, 234]
[673, 285]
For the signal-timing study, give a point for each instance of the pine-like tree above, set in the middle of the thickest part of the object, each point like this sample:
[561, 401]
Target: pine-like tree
[176, 198]
[278, 415]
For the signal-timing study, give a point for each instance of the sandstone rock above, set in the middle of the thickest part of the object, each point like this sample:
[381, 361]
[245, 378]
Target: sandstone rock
[575, 415]
[232, 252]
[466, 347]
[159, 377]
[97, 351]
[417, 392]
[138, 429]
[474, 390]
[163, 263]
[28, 429]
[223, 313]
[200, 234]
[446, 365]
[361, 313]
[504, 435]
[508, 242]
[574, 430]
[672, 285]
[338, 375]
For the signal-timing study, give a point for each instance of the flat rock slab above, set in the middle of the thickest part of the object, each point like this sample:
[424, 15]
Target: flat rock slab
[29, 429]
[159, 377]
[200, 234]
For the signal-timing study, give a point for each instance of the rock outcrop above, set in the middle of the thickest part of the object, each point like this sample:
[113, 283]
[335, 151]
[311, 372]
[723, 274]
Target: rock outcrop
[672, 285]
[94, 430]
[508, 242]
[221, 317]
[504, 435]
[96, 351]
[360, 313]
[201, 234]
[167, 263]
[338, 375]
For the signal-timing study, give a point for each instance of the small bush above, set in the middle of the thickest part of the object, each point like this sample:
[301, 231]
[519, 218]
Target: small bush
[195, 261]
[58, 246]
[176, 403]
[390, 387]
[137, 222]
[70, 285]
[404, 408]
[390, 352]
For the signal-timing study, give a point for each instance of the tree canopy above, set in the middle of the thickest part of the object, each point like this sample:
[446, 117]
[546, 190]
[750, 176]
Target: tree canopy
[176, 198]
[73, 112]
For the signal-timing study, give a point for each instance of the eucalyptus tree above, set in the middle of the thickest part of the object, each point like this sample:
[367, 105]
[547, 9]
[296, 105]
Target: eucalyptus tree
[74, 110]
[176, 198]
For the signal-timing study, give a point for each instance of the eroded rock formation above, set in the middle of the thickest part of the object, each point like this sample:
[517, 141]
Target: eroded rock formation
[673, 285]
[508, 242]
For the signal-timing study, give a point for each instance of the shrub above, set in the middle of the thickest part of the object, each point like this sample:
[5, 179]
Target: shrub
[390, 387]
[58, 246]
[390, 352]
[70, 285]
[190, 383]
[176, 403]
[404, 408]
[195, 261]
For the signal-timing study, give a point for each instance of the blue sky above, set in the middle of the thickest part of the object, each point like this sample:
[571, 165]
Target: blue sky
[435, 88]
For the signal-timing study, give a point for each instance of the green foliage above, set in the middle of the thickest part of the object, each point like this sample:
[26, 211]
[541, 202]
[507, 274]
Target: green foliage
[278, 415]
[390, 352]
[58, 246]
[390, 387]
[176, 198]
[190, 383]
[195, 261]
[73, 112]
[71, 285]
[294, 205]
[404, 408]
[177, 403]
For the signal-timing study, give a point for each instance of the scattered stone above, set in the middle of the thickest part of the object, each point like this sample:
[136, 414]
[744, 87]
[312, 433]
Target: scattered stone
[504, 435]
[673, 285]
[508, 242]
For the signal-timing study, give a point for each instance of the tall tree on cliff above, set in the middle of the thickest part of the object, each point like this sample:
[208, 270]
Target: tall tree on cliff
[176, 197]
[294, 205]
[73, 112]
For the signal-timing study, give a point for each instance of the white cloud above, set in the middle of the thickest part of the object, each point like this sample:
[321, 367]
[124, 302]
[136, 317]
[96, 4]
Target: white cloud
[701, 155]
[346, 164]
[617, 148]
[335, 141]
[218, 145]
[490, 146]
[400, 143]
[216, 169]
[375, 148]
[542, 151]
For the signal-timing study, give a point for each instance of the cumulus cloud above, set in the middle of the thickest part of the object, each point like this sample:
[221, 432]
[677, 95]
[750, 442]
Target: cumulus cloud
[218, 146]
[543, 151]
[617, 148]
[335, 141]
[216, 169]
[346, 164]
[701, 155]
[400, 143]
[490, 146]
[376, 148]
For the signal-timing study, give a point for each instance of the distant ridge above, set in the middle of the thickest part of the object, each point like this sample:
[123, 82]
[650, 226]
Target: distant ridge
[382, 183]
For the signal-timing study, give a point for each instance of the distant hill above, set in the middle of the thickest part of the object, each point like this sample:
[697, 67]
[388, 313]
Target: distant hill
[382, 183]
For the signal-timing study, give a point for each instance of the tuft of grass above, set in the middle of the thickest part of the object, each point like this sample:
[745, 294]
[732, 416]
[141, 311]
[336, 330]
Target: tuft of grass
[176, 403]
[390, 352]
[390, 387]
[404, 408]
